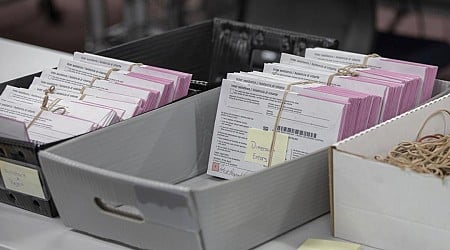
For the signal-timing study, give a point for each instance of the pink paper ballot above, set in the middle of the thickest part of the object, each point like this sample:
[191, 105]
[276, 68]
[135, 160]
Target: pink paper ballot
[177, 80]
[410, 83]
[123, 77]
[169, 84]
[389, 91]
[186, 78]
[360, 107]
[368, 110]
[427, 73]
[180, 80]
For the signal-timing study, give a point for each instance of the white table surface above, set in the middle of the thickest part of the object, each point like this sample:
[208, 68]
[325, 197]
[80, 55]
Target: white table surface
[20, 229]
[19, 59]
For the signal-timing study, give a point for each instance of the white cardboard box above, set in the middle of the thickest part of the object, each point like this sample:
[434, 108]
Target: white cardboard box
[381, 205]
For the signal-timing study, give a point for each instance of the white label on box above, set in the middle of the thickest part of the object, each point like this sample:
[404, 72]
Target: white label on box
[21, 179]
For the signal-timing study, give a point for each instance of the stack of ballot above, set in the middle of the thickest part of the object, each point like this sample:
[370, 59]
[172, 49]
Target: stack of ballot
[88, 93]
[426, 73]
[303, 104]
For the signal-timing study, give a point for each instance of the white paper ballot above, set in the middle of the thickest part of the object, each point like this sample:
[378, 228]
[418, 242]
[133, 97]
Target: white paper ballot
[137, 68]
[116, 92]
[107, 62]
[48, 127]
[427, 73]
[101, 116]
[308, 124]
[81, 68]
[310, 63]
[119, 98]
[135, 103]
[65, 77]
[120, 77]
[390, 92]
[411, 83]
[150, 97]
[362, 110]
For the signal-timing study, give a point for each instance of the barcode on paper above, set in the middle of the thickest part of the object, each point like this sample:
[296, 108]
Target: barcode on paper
[297, 132]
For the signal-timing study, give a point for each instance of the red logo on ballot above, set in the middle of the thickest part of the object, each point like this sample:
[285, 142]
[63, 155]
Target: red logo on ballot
[215, 166]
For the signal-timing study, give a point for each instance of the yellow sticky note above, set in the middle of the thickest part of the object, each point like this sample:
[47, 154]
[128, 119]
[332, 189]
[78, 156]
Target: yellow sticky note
[258, 147]
[21, 179]
[316, 244]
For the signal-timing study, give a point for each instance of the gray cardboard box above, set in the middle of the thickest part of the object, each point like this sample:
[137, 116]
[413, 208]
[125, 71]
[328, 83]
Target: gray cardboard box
[142, 182]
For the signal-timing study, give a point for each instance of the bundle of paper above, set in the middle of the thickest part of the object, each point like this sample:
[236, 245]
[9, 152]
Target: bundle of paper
[248, 114]
[119, 77]
[89, 94]
[298, 106]
[180, 80]
[389, 91]
[411, 83]
[99, 115]
[116, 96]
[363, 108]
[427, 73]
[44, 126]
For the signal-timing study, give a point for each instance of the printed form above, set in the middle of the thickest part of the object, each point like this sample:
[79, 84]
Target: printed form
[308, 123]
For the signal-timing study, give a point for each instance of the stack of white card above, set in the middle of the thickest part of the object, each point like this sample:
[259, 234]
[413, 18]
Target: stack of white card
[323, 102]
[87, 93]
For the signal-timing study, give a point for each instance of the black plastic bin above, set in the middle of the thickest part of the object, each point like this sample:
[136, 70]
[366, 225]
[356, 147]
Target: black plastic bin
[208, 50]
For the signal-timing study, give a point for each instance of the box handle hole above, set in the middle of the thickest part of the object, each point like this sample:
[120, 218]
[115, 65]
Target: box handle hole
[119, 210]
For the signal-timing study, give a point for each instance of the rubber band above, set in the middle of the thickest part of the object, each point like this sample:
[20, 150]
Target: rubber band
[48, 91]
[83, 89]
[278, 118]
[44, 105]
[341, 72]
[441, 111]
[95, 78]
[429, 154]
[109, 72]
[52, 104]
[356, 66]
[35, 118]
[366, 58]
[64, 110]
[133, 65]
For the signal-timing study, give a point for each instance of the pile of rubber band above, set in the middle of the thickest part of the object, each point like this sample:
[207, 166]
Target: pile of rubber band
[428, 154]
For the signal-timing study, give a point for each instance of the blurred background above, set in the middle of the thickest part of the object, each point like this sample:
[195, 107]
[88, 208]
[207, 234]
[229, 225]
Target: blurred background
[415, 30]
